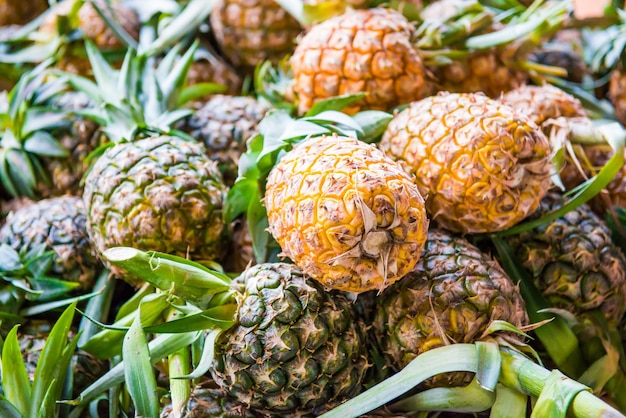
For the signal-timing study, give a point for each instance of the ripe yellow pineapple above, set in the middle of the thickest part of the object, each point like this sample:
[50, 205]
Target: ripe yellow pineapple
[366, 51]
[249, 32]
[346, 214]
[482, 166]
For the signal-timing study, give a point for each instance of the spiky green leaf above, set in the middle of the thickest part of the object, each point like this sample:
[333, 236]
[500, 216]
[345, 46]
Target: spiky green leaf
[15, 383]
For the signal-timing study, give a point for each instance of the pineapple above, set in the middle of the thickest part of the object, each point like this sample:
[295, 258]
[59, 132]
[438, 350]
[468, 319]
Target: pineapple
[573, 261]
[240, 254]
[293, 347]
[154, 187]
[249, 32]
[564, 50]
[59, 223]
[482, 165]
[207, 67]
[453, 295]
[84, 17]
[210, 403]
[367, 51]
[346, 214]
[541, 103]
[15, 12]
[224, 124]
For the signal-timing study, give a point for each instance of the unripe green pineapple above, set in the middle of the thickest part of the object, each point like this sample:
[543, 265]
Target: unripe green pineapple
[452, 296]
[160, 193]
[573, 261]
[210, 403]
[295, 347]
[59, 223]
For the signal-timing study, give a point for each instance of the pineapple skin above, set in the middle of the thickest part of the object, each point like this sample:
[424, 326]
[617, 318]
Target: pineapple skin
[541, 103]
[159, 193]
[345, 213]
[18, 12]
[454, 289]
[573, 261]
[366, 51]
[249, 32]
[482, 166]
[60, 223]
[210, 403]
[481, 72]
[224, 124]
[617, 93]
[294, 348]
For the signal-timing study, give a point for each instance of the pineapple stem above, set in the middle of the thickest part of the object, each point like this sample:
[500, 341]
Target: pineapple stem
[179, 365]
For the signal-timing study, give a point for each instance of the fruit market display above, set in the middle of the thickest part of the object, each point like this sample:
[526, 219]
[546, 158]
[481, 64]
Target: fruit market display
[301, 208]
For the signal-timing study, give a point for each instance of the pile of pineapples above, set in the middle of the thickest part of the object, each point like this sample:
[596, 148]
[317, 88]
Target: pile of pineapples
[241, 208]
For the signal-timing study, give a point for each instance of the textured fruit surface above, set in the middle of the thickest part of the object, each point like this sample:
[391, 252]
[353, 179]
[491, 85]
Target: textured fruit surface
[60, 224]
[452, 296]
[617, 93]
[251, 31]
[541, 103]
[366, 51]
[159, 193]
[294, 346]
[481, 72]
[345, 213]
[573, 261]
[210, 403]
[224, 124]
[19, 12]
[481, 165]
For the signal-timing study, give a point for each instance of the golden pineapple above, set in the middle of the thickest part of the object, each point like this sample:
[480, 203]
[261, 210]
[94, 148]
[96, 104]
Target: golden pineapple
[346, 214]
[541, 103]
[617, 93]
[483, 72]
[482, 166]
[249, 32]
[366, 51]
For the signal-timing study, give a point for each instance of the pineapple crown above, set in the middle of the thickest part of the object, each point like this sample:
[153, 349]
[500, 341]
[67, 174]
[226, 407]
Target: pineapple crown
[25, 121]
[24, 277]
[140, 99]
[604, 48]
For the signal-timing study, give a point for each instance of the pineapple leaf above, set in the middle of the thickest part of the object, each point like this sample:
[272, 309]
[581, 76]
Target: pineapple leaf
[138, 373]
[207, 356]
[219, 317]
[44, 144]
[108, 16]
[15, 383]
[335, 117]
[37, 119]
[373, 124]
[256, 217]
[132, 304]
[47, 367]
[176, 79]
[470, 398]
[509, 403]
[189, 280]
[51, 288]
[337, 103]
[9, 259]
[489, 363]
[20, 170]
[97, 307]
[84, 85]
[197, 91]
[103, 73]
[5, 177]
[557, 395]
[239, 198]
[192, 16]
[160, 347]
[455, 357]
[7, 409]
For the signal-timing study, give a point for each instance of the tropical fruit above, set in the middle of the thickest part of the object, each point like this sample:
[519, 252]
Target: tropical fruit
[16, 12]
[224, 124]
[249, 32]
[482, 166]
[208, 67]
[293, 348]
[361, 51]
[573, 261]
[59, 223]
[160, 193]
[346, 214]
[210, 403]
[453, 295]
[541, 103]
